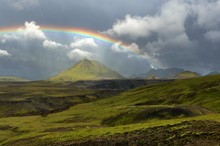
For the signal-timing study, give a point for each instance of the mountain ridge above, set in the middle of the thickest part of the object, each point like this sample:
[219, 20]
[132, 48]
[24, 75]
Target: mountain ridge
[12, 79]
[168, 73]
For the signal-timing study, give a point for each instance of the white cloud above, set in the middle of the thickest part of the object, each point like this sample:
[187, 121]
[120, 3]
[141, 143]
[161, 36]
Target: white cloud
[78, 54]
[170, 20]
[4, 53]
[22, 4]
[52, 45]
[134, 48]
[213, 36]
[83, 48]
[32, 31]
[117, 48]
[134, 27]
[83, 42]
[207, 12]
[8, 37]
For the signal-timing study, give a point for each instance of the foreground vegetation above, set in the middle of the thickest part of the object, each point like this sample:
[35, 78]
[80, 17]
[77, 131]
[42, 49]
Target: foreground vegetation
[183, 112]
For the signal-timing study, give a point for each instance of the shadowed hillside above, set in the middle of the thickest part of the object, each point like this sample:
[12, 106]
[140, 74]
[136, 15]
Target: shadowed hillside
[43, 98]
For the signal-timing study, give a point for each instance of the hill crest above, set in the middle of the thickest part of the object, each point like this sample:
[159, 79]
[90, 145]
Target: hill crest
[187, 74]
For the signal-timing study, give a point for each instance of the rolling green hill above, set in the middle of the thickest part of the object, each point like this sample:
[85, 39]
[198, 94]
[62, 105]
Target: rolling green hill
[201, 91]
[181, 112]
[186, 74]
[87, 70]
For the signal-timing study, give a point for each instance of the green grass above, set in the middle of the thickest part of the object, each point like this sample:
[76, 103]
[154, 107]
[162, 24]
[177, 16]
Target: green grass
[126, 112]
[203, 91]
[32, 98]
[79, 130]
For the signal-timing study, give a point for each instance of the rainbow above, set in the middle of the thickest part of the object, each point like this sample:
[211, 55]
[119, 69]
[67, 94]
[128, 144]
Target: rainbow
[70, 30]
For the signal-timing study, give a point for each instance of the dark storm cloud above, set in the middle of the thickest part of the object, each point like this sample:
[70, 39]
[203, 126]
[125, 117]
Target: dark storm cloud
[93, 14]
[182, 34]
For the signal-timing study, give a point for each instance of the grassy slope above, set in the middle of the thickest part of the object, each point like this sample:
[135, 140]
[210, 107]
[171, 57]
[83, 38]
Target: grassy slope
[186, 74]
[87, 70]
[203, 91]
[86, 120]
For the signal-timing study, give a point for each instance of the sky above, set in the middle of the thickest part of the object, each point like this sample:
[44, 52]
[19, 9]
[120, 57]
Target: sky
[159, 34]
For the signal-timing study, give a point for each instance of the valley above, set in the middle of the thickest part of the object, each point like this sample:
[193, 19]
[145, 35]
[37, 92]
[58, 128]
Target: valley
[179, 112]
[45, 97]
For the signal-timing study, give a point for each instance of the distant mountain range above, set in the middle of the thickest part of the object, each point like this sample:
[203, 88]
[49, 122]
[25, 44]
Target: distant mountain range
[87, 70]
[93, 70]
[169, 73]
[11, 79]
[214, 73]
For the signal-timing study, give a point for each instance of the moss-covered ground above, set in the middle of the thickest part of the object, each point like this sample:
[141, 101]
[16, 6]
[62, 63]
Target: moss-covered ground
[133, 115]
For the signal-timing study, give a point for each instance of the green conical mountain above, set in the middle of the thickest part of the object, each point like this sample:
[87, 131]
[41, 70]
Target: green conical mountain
[87, 70]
